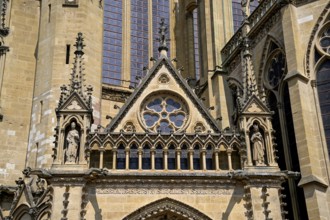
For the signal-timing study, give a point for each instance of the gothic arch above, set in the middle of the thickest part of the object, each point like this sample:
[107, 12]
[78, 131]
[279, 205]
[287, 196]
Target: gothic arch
[22, 212]
[72, 118]
[166, 205]
[267, 50]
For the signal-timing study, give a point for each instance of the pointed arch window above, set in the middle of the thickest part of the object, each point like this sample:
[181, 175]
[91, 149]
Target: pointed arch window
[278, 98]
[322, 69]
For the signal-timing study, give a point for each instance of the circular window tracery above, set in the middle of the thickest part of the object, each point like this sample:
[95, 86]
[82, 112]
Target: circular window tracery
[325, 41]
[164, 113]
[275, 69]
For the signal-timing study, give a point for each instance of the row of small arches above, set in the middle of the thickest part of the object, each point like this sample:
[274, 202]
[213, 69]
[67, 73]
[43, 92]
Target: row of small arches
[171, 158]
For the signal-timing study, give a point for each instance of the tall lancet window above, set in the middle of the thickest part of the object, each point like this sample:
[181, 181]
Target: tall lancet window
[112, 42]
[131, 44]
[322, 63]
[160, 9]
[139, 38]
[279, 102]
[196, 43]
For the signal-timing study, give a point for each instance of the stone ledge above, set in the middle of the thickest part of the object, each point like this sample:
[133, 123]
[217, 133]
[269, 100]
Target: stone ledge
[312, 179]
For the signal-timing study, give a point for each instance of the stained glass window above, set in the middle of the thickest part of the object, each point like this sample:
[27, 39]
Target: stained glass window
[160, 9]
[237, 12]
[164, 113]
[112, 42]
[139, 37]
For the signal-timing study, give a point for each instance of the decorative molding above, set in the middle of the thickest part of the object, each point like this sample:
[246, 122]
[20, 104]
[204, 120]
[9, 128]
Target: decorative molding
[115, 94]
[150, 189]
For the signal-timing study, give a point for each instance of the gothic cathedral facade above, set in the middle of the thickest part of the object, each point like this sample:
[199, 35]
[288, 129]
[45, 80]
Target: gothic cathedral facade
[164, 109]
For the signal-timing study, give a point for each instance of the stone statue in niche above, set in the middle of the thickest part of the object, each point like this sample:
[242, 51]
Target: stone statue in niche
[258, 146]
[73, 140]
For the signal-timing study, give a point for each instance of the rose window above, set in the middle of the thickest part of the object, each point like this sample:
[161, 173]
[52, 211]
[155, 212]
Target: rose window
[164, 113]
[276, 68]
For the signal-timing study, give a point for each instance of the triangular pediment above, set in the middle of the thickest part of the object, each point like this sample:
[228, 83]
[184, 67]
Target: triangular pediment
[163, 101]
[74, 103]
[255, 106]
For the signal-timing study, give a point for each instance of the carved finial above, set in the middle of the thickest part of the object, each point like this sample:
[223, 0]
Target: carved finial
[163, 40]
[77, 77]
[79, 44]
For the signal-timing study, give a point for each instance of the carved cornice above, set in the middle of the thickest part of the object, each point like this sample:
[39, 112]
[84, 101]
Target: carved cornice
[105, 176]
[115, 94]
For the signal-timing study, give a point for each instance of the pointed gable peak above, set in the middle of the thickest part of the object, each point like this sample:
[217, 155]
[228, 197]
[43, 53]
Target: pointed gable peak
[164, 102]
[255, 106]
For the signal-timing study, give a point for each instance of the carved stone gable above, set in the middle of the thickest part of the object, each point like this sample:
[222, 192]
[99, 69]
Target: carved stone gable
[74, 103]
[255, 106]
[163, 102]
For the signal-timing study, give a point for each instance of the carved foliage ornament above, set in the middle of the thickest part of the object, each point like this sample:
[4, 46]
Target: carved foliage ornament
[163, 78]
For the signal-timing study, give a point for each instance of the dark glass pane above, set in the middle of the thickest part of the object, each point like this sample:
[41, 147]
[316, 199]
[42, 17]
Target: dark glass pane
[237, 12]
[159, 163]
[107, 159]
[184, 160]
[95, 159]
[236, 162]
[150, 119]
[323, 87]
[159, 158]
[196, 43]
[155, 105]
[171, 163]
[146, 159]
[209, 158]
[121, 158]
[184, 163]
[133, 163]
[223, 160]
[112, 43]
[197, 160]
[165, 127]
[160, 9]
[139, 38]
[172, 105]
[177, 119]
[325, 42]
